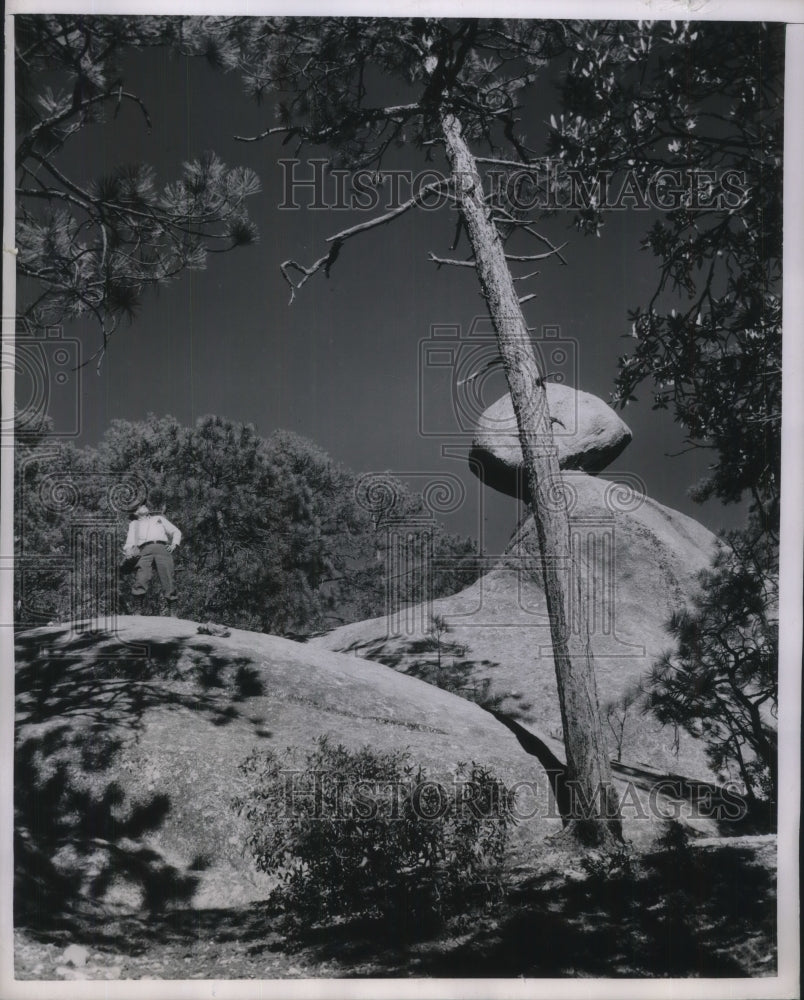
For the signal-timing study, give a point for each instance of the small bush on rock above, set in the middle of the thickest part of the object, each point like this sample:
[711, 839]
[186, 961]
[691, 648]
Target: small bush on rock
[368, 834]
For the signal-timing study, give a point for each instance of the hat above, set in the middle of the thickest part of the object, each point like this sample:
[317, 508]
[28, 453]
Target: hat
[142, 509]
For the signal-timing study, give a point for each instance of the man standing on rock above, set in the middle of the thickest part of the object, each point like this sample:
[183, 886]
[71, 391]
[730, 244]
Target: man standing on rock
[151, 540]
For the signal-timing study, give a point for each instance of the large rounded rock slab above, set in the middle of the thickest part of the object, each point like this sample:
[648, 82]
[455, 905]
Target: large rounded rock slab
[129, 743]
[639, 562]
[587, 433]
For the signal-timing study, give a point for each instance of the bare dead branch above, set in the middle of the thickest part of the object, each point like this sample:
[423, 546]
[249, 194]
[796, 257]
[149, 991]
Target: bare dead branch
[504, 220]
[536, 256]
[337, 241]
[458, 231]
[520, 164]
[495, 362]
[262, 135]
[446, 260]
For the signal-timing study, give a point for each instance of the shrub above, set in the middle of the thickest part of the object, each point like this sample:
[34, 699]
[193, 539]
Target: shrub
[367, 834]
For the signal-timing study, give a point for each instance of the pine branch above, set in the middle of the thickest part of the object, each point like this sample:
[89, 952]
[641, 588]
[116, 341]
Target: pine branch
[363, 116]
[26, 146]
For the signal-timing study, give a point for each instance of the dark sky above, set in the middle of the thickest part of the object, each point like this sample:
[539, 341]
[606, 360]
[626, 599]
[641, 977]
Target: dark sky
[342, 364]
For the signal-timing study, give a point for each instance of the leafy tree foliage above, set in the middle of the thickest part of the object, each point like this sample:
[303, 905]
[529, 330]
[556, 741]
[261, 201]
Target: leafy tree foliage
[693, 112]
[246, 526]
[275, 536]
[418, 558]
[41, 572]
[92, 248]
[720, 682]
[65, 512]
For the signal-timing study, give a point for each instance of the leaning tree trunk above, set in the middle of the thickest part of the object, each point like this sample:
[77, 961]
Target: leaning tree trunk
[594, 815]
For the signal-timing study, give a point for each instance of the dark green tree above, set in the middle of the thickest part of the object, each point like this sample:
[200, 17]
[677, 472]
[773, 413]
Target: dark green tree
[720, 681]
[435, 562]
[40, 573]
[65, 516]
[693, 113]
[276, 536]
[255, 545]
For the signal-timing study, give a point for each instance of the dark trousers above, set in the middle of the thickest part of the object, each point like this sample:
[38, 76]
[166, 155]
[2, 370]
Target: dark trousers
[153, 554]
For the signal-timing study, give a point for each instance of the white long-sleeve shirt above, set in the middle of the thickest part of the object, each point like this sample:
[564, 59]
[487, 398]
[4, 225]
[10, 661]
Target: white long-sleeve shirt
[153, 528]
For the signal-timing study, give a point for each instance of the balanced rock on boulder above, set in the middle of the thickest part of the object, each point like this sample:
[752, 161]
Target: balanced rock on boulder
[588, 435]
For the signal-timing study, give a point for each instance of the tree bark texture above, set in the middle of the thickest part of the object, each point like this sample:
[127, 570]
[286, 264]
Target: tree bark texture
[588, 767]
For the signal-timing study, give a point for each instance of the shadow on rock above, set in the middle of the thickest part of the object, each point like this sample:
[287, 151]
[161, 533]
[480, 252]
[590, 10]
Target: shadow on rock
[79, 841]
[141, 934]
[442, 662]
